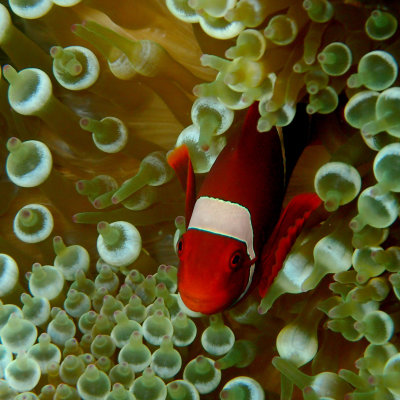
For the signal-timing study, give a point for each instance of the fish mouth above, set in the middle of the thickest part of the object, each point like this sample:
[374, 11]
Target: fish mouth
[204, 306]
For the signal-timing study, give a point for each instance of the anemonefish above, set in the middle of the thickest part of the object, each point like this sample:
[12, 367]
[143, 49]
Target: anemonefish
[234, 241]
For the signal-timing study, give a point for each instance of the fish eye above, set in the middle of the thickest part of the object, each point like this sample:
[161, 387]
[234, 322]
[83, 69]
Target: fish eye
[179, 247]
[236, 259]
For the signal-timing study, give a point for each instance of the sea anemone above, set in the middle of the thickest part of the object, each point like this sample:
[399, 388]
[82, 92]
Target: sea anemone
[88, 273]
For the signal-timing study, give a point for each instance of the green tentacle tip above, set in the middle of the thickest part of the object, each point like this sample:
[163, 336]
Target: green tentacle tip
[337, 183]
[319, 10]
[366, 264]
[212, 118]
[66, 63]
[202, 374]
[246, 76]
[23, 373]
[96, 187]
[381, 25]
[136, 354]
[33, 223]
[61, 328]
[35, 309]
[106, 280]
[45, 281]
[335, 59]
[302, 330]
[118, 243]
[281, 30]
[376, 326]
[70, 259]
[93, 384]
[185, 330]
[110, 306]
[218, 338]
[360, 109]
[377, 70]
[201, 160]
[71, 369]
[316, 80]
[282, 116]
[124, 328]
[29, 163]
[109, 134]
[77, 303]
[375, 208]
[149, 386]
[30, 90]
[154, 171]
[156, 326]
[146, 290]
[122, 374]
[75, 67]
[166, 362]
[45, 352]
[18, 334]
[324, 101]
[102, 346]
[83, 284]
[250, 43]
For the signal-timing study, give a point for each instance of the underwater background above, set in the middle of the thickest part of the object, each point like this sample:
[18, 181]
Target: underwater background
[93, 95]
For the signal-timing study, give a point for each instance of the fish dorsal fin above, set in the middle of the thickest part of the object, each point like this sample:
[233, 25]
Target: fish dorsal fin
[290, 223]
[179, 160]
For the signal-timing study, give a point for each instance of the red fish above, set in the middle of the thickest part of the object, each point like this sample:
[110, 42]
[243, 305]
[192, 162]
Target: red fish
[230, 245]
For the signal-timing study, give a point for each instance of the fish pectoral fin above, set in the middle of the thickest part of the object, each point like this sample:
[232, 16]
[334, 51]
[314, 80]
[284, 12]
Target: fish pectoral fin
[179, 160]
[290, 224]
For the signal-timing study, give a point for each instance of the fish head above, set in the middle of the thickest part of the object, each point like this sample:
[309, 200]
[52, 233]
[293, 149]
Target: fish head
[214, 272]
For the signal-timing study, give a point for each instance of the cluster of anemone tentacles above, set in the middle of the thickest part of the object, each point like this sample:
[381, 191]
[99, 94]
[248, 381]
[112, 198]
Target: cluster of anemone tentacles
[94, 314]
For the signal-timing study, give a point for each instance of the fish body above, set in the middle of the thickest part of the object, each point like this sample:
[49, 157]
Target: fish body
[231, 219]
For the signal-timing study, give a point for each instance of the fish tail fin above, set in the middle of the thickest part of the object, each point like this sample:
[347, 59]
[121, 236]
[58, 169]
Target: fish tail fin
[287, 229]
[179, 160]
